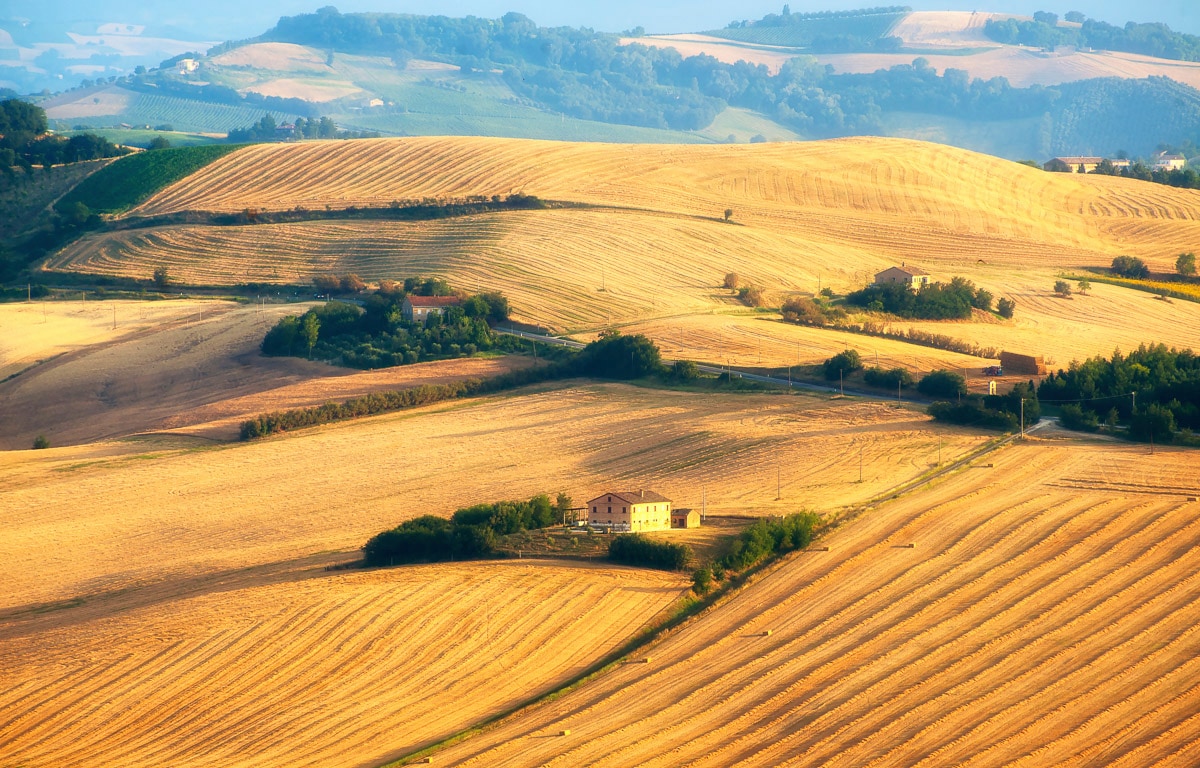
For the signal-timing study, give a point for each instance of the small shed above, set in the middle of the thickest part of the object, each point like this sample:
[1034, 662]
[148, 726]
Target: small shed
[685, 518]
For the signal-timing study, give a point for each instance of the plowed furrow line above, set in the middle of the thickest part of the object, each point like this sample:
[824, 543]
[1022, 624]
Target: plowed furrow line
[905, 651]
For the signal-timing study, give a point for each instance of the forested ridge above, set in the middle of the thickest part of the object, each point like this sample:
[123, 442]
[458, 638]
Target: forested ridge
[590, 75]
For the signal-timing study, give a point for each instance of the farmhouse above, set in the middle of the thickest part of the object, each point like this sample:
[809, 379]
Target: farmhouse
[418, 308]
[1166, 162]
[913, 277]
[1072, 164]
[630, 511]
[685, 518]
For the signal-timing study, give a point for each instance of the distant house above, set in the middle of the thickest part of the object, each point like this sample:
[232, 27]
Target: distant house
[285, 131]
[1165, 162]
[685, 518]
[913, 277]
[1119, 164]
[630, 511]
[1073, 164]
[188, 66]
[417, 308]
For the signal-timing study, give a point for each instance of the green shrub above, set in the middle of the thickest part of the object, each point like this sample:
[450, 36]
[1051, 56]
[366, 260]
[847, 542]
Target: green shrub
[40, 442]
[1072, 416]
[636, 549]
[1130, 266]
[766, 538]
[842, 364]
[942, 383]
[890, 379]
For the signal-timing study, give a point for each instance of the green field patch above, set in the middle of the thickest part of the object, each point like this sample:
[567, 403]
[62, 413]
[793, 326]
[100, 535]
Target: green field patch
[132, 179]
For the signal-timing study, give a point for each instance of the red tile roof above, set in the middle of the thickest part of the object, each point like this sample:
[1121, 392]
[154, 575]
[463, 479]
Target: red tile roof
[636, 497]
[433, 301]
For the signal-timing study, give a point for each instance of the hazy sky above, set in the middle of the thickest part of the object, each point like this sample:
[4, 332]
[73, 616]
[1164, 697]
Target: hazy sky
[223, 19]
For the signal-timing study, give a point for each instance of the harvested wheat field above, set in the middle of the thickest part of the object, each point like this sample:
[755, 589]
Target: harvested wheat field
[273, 56]
[318, 670]
[190, 367]
[37, 331]
[767, 342]
[829, 213]
[1045, 613]
[105, 517]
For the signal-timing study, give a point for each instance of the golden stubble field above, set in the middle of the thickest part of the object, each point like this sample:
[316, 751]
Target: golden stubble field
[320, 669]
[1045, 614]
[183, 366]
[91, 520]
[826, 214]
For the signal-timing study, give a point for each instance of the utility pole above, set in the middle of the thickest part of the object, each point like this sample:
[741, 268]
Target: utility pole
[28, 292]
[703, 503]
[841, 387]
[1022, 418]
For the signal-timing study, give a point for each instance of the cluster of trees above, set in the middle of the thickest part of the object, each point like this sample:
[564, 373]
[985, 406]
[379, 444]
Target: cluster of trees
[24, 140]
[378, 336]
[815, 311]
[316, 127]
[1154, 391]
[769, 537]
[636, 549]
[617, 356]
[760, 542]
[1130, 266]
[823, 31]
[1157, 40]
[1183, 178]
[1002, 412]
[469, 533]
[933, 301]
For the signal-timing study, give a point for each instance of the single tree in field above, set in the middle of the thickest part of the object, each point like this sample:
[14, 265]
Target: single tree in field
[159, 142]
[162, 278]
[732, 281]
[352, 283]
[40, 442]
[1062, 288]
[1084, 285]
[1186, 264]
[728, 214]
[309, 330]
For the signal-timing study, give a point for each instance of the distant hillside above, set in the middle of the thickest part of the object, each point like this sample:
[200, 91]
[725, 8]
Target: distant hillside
[862, 30]
[416, 75]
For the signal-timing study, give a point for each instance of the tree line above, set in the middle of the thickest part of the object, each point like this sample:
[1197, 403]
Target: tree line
[25, 141]
[1154, 39]
[378, 336]
[1154, 392]
[470, 532]
[932, 301]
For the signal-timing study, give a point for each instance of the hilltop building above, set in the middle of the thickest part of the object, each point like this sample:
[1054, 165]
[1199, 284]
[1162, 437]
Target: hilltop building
[630, 511]
[1166, 162]
[1079, 164]
[913, 277]
[418, 308]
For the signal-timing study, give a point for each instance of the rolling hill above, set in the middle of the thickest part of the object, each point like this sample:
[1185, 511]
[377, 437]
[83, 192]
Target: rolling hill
[651, 243]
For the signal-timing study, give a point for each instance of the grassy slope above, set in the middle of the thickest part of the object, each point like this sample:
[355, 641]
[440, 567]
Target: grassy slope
[134, 178]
